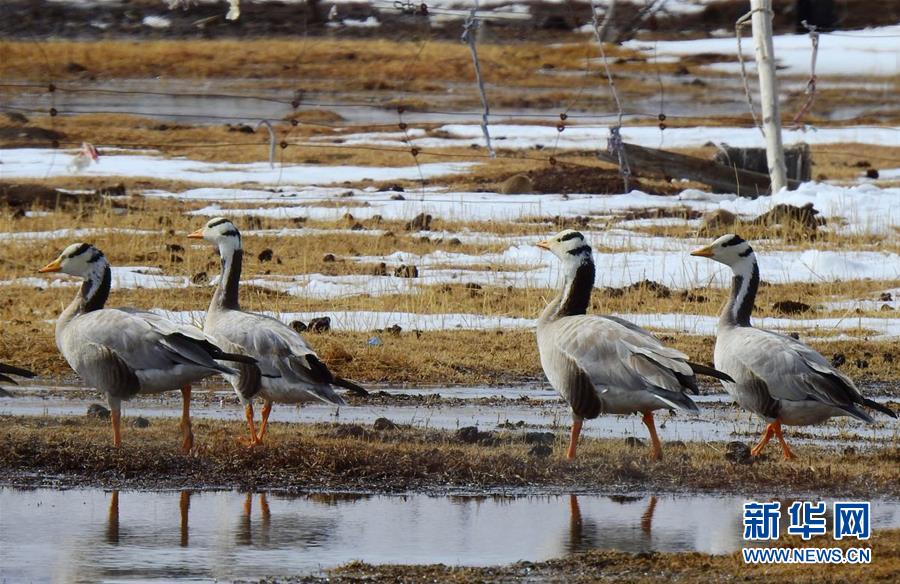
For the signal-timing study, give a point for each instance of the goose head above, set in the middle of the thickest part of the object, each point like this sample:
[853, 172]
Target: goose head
[731, 250]
[79, 259]
[220, 232]
[569, 246]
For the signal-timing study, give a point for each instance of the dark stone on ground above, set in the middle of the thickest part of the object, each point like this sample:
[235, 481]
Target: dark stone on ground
[380, 269]
[634, 442]
[200, 279]
[791, 307]
[329, 257]
[266, 255]
[421, 222]
[838, 359]
[738, 452]
[540, 451]
[404, 271]
[862, 363]
[320, 324]
[539, 438]
[384, 424]
[299, 326]
[872, 173]
[140, 422]
[98, 411]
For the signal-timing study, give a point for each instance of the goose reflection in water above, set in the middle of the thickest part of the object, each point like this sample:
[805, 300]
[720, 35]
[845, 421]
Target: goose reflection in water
[288, 530]
[587, 534]
[112, 519]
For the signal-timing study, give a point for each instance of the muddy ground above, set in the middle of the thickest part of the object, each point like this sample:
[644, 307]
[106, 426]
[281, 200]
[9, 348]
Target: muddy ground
[69, 452]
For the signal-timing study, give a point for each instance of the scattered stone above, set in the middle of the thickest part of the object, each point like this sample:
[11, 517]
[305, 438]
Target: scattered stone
[861, 363]
[380, 269]
[97, 411]
[886, 297]
[404, 271]
[329, 257]
[540, 451]
[517, 184]
[17, 118]
[421, 222]
[350, 431]
[140, 422]
[738, 452]
[872, 173]
[242, 128]
[781, 214]
[634, 442]
[838, 359]
[320, 324]
[467, 434]
[299, 326]
[849, 451]
[394, 187]
[887, 357]
[454, 241]
[539, 438]
[886, 308]
[394, 329]
[794, 335]
[791, 307]
[73, 67]
[398, 197]
[266, 255]
[384, 424]
[200, 279]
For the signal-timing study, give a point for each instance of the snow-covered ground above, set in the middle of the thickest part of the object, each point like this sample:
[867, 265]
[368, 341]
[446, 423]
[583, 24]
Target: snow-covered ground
[860, 53]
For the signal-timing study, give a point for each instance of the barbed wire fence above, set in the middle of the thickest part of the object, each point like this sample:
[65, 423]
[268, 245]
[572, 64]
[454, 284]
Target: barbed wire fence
[287, 103]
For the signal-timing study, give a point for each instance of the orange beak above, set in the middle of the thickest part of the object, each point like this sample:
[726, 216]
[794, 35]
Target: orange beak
[543, 244]
[703, 252]
[54, 266]
[196, 234]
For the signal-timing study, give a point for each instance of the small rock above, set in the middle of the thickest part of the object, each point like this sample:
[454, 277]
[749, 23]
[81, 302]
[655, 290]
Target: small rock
[394, 329]
[299, 326]
[73, 67]
[320, 324]
[861, 363]
[357, 227]
[467, 434]
[791, 307]
[886, 308]
[384, 424]
[473, 286]
[329, 257]
[380, 269]
[404, 271]
[794, 335]
[517, 184]
[886, 297]
[398, 197]
[540, 451]
[350, 431]
[265, 255]
[112, 191]
[140, 422]
[539, 438]
[633, 442]
[872, 173]
[375, 342]
[887, 357]
[98, 411]
[421, 222]
[454, 241]
[849, 451]
[738, 452]
[838, 359]
[200, 279]
[16, 118]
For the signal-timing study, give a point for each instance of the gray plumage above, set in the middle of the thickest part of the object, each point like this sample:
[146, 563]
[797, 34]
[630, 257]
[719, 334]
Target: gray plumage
[775, 376]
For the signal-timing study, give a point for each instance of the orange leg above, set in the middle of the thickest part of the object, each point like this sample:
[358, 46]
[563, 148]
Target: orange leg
[788, 455]
[112, 521]
[187, 435]
[573, 440]
[116, 416]
[184, 506]
[654, 439]
[248, 412]
[647, 517]
[267, 409]
[767, 435]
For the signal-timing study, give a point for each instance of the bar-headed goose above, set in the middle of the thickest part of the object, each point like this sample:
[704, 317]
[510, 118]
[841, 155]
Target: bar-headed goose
[124, 351]
[6, 371]
[604, 364]
[288, 370]
[776, 377]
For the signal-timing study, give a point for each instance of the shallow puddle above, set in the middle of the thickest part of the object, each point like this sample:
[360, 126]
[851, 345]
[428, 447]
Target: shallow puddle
[511, 408]
[92, 535]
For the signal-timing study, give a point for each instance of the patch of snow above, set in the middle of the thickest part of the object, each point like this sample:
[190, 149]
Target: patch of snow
[123, 277]
[158, 22]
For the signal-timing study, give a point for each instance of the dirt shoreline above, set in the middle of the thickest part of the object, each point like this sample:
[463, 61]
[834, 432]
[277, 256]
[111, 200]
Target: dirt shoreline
[69, 452]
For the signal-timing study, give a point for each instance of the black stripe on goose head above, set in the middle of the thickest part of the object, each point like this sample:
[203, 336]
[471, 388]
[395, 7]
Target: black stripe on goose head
[734, 240]
[216, 223]
[83, 248]
[571, 235]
